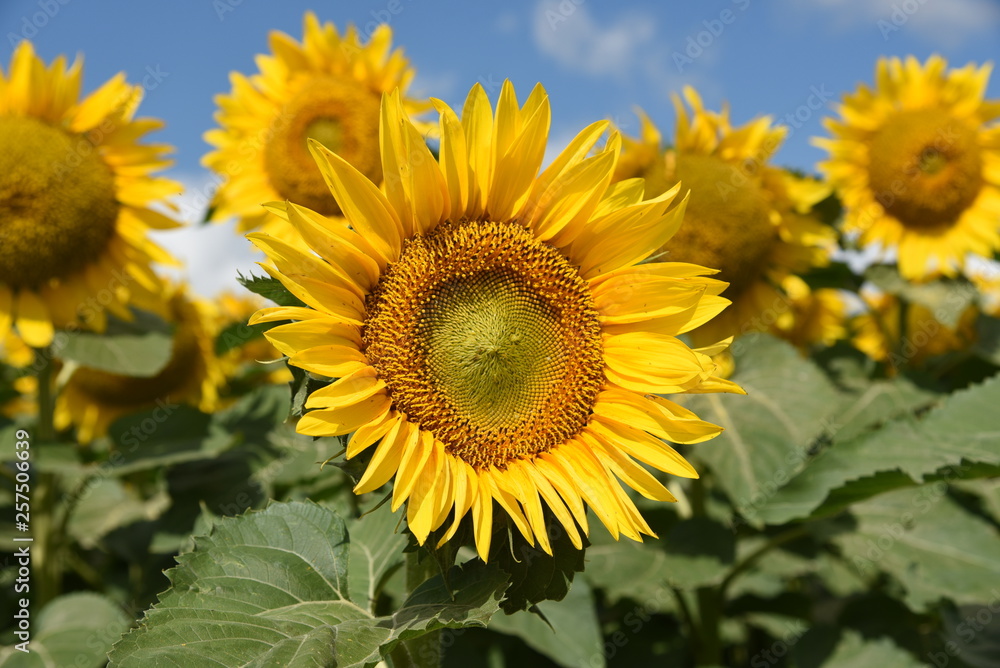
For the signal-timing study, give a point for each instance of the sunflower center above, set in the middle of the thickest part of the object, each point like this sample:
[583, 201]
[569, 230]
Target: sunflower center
[340, 114]
[488, 339]
[925, 167]
[57, 202]
[117, 390]
[726, 224]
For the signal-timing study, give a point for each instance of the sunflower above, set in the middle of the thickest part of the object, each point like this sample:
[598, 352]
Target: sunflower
[916, 165]
[23, 388]
[327, 89]
[876, 332]
[751, 220]
[492, 328]
[817, 316]
[75, 187]
[92, 399]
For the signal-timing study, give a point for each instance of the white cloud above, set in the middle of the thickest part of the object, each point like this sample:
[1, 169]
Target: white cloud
[568, 33]
[442, 85]
[938, 22]
[212, 254]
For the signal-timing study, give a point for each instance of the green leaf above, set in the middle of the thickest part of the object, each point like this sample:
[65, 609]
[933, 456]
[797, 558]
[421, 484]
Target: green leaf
[71, 630]
[107, 504]
[646, 568]
[930, 544]
[272, 586]
[535, 575]
[376, 552]
[468, 597]
[987, 343]
[238, 334]
[139, 348]
[164, 436]
[946, 299]
[256, 581]
[769, 431]
[269, 288]
[692, 553]
[566, 631]
[858, 652]
[958, 432]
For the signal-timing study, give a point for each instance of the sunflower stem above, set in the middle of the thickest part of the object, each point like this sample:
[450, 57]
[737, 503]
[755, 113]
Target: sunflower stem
[46, 400]
[45, 529]
[423, 651]
[708, 641]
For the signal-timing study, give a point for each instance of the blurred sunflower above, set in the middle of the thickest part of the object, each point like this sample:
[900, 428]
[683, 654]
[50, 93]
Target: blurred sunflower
[748, 219]
[16, 354]
[492, 328]
[326, 89]
[818, 316]
[92, 399]
[246, 352]
[916, 165]
[876, 332]
[75, 187]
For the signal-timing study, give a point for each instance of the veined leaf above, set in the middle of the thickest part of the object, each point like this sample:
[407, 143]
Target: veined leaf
[273, 586]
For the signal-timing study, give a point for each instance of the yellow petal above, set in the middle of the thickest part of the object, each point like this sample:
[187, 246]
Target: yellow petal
[347, 391]
[370, 433]
[361, 202]
[386, 458]
[331, 361]
[482, 517]
[477, 121]
[338, 421]
[645, 448]
[33, 321]
[411, 467]
[298, 336]
[454, 158]
[654, 415]
[331, 299]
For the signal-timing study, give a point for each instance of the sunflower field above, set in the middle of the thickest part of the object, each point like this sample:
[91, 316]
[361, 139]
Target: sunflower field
[504, 387]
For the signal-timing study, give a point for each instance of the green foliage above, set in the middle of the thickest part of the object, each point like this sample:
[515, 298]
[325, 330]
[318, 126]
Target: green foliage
[770, 432]
[72, 630]
[273, 588]
[565, 631]
[946, 299]
[959, 428]
[141, 347]
[269, 288]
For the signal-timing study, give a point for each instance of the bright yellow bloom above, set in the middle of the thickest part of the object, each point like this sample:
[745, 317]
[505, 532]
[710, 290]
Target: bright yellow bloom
[75, 187]
[876, 332]
[492, 328]
[327, 89]
[92, 399]
[917, 166]
[746, 218]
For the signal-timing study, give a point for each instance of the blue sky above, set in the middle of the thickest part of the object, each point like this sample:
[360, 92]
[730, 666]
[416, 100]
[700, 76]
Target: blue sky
[597, 59]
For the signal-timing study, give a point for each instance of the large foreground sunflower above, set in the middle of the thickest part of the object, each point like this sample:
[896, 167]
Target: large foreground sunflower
[493, 329]
[745, 217]
[917, 166]
[92, 399]
[75, 187]
[326, 89]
